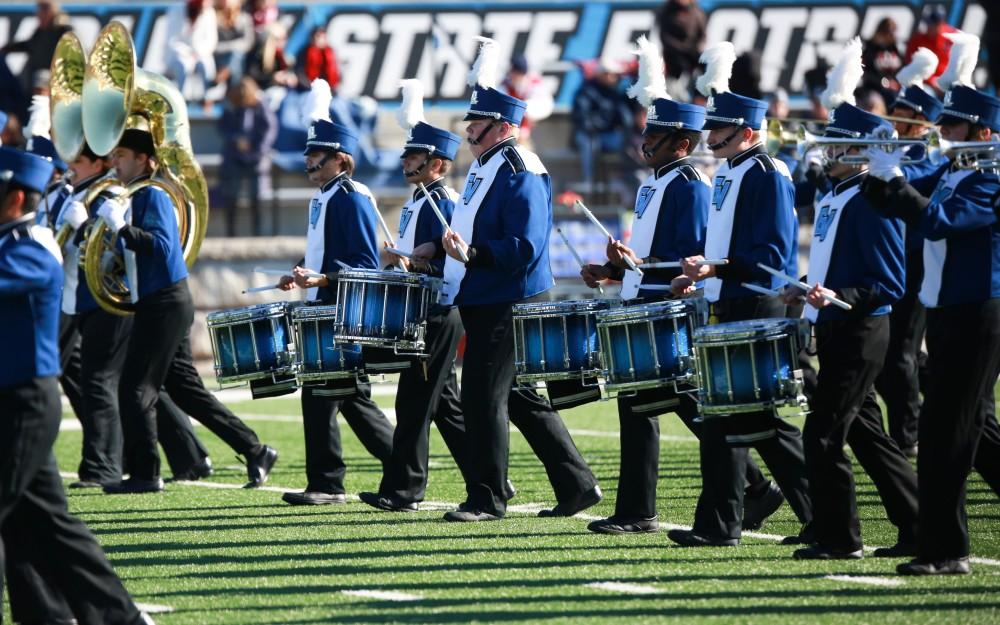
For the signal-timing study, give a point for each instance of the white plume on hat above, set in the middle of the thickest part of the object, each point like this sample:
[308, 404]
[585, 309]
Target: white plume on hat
[961, 61]
[920, 68]
[484, 71]
[39, 122]
[651, 84]
[843, 78]
[718, 60]
[318, 100]
[411, 110]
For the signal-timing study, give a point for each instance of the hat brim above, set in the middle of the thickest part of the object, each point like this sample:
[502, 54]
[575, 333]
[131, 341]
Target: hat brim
[945, 118]
[319, 148]
[711, 124]
[471, 117]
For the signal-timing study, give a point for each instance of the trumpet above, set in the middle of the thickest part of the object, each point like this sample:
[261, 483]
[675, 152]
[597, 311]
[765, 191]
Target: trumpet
[965, 154]
[805, 141]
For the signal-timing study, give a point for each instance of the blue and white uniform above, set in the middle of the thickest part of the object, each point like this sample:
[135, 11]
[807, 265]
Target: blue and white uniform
[417, 222]
[77, 298]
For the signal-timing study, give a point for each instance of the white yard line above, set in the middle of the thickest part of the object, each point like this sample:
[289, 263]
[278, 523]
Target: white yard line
[628, 589]
[867, 579]
[386, 595]
[154, 608]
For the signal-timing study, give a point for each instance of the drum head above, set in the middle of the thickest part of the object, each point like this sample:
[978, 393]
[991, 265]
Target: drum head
[641, 312]
[568, 307]
[247, 313]
[752, 329]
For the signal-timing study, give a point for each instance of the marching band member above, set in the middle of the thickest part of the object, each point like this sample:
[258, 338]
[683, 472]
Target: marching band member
[671, 213]
[32, 502]
[159, 346]
[428, 390]
[955, 210]
[752, 221]
[342, 227]
[498, 256]
[857, 257]
[898, 382]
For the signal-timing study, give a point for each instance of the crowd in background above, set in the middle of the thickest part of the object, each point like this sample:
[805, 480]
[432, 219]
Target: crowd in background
[229, 58]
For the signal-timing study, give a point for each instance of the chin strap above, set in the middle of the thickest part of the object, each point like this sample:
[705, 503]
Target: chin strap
[416, 172]
[725, 142]
[318, 166]
[659, 144]
[478, 139]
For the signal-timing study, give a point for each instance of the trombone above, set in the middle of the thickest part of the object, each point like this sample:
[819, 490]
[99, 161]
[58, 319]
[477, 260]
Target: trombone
[965, 154]
[804, 141]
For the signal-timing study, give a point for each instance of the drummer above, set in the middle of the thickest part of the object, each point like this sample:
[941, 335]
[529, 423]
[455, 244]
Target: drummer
[857, 257]
[428, 391]
[671, 213]
[753, 221]
[342, 228]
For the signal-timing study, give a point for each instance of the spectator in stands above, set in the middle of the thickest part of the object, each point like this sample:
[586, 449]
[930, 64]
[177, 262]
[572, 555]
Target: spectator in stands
[682, 39]
[235, 39]
[248, 128]
[601, 117]
[264, 13]
[746, 75]
[528, 86]
[192, 35]
[317, 60]
[882, 59]
[39, 47]
[815, 80]
[268, 64]
[932, 37]
[12, 98]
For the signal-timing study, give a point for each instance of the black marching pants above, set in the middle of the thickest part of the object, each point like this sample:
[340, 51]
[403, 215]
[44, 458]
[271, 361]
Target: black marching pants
[963, 345]
[489, 400]
[719, 512]
[428, 390]
[844, 410]
[57, 561]
[69, 362]
[325, 466]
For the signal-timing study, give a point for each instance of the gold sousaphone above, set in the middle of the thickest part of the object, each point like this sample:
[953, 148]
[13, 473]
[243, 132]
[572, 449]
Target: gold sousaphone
[114, 95]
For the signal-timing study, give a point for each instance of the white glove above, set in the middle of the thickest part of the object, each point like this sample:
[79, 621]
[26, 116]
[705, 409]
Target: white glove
[75, 214]
[884, 165]
[113, 212]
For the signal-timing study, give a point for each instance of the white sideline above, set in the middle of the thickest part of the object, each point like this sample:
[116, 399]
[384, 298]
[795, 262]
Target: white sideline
[866, 579]
[628, 589]
[388, 595]
[154, 608]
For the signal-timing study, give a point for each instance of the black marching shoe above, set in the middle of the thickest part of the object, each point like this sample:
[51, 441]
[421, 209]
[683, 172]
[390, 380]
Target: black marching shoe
[757, 508]
[86, 484]
[469, 515]
[582, 501]
[197, 471]
[899, 550]
[388, 502]
[819, 552]
[259, 466]
[624, 525]
[919, 566]
[691, 538]
[313, 498]
[804, 537]
[134, 485]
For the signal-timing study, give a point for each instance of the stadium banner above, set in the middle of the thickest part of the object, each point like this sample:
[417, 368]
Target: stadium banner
[377, 44]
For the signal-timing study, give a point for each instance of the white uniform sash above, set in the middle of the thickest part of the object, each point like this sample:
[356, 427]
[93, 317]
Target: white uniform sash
[71, 251]
[935, 252]
[824, 238]
[647, 212]
[409, 216]
[725, 193]
[316, 234]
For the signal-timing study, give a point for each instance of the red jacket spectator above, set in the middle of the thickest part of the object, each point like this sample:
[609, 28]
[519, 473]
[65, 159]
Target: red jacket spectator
[933, 38]
[319, 61]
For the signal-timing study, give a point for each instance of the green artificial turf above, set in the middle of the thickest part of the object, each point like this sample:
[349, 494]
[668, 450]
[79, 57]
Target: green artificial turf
[241, 556]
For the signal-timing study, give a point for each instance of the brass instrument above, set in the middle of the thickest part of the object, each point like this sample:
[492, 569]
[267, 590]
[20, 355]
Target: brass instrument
[69, 64]
[965, 154]
[805, 141]
[115, 93]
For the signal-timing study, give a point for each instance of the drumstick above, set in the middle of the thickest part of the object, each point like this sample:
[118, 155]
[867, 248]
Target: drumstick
[579, 260]
[282, 272]
[258, 289]
[344, 266]
[760, 289]
[596, 222]
[671, 264]
[398, 252]
[444, 222]
[388, 235]
[802, 285]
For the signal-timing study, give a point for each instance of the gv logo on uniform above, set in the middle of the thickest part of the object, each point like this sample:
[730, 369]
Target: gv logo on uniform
[404, 220]
[470, 188]
[720, 191]
[823, 222]
[314, 207]
[642, 201]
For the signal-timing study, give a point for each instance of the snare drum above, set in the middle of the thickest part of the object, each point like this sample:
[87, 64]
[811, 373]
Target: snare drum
[648, 345]
[384, 308]
[319, 356]
[557, 340]
[749, 366]
[251, 343]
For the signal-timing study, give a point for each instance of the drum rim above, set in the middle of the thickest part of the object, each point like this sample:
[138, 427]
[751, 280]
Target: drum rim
[717, 334]
[642, 312]
[567, 306]
[379, 276]
[266, 310]
[313, 313]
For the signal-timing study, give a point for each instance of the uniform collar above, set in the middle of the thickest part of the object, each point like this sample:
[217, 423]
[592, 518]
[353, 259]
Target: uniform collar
[665, 169]
[750, 152]
[332, 181]
[86, 182]
[847, 183]
[488, 154]
[138, 179]
[9, 227]
[436, 184]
